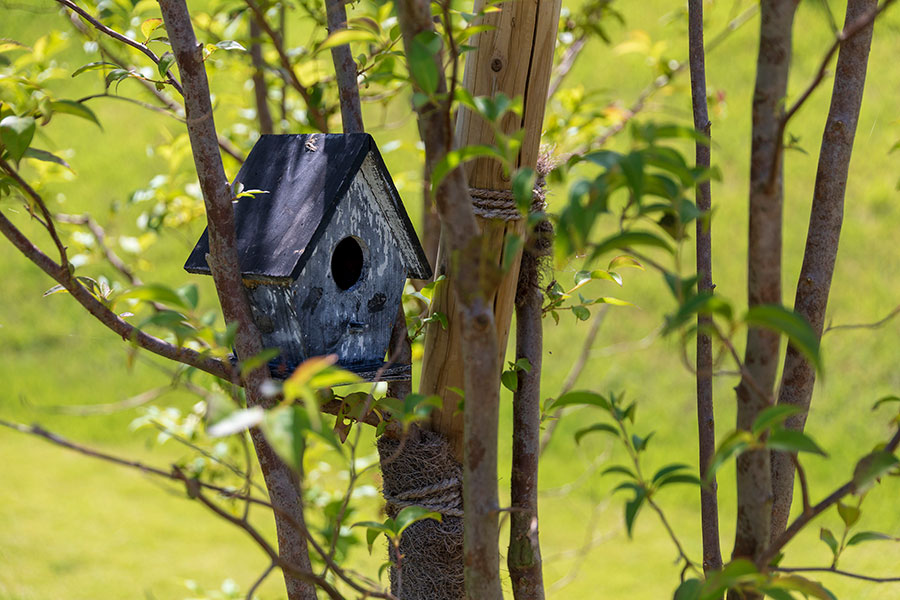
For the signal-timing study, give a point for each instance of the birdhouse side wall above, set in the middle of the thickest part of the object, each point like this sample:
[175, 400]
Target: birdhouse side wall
[272, 305]
[354, 323]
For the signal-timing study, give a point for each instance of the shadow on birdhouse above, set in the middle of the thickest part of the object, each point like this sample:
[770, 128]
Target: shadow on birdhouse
[324, 253]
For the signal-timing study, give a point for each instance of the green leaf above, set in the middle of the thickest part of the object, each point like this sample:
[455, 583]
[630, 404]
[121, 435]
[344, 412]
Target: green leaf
[16, 134]
[640, 443]
[455, 158]
[93, 66]
[632, 507]
[74, 108]
[628, 239]
[885, 400]
[345, 36]
[733, 444]
[795, 327]
[603, 427]
[620, 470]
[523, 188]
[703, 303]
[422, 59]
[413, 514]
[871, 468]
[580, 398]
[826, 536]
[624, 261]
[868, 536]
[149, 26]
[667, 470]
[523, 364]
[789, 440]
[190, 294]
[581, 313]
[849, 514]
[230, 45]
[680, 478]
[237, 421]
[510, 380]
[165, 62]
[689, 590]
[45, 156]
[254, 362]
[154, 293]
[117, 75]
[774, 415]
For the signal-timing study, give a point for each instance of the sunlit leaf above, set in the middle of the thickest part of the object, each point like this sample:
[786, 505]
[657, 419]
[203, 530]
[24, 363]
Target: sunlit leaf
[796, 328]
[77, 109]
[774, 415]
[237, 421]
[871, 468]
[413, 514]
[580, 398]
[16, 134]
[788, 440]
[868, 536]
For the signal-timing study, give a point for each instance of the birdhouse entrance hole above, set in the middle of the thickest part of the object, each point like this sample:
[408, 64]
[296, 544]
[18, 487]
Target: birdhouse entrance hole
[347, 263]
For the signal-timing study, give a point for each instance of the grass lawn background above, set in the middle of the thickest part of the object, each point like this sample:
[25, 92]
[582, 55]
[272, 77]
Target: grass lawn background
[72, 527]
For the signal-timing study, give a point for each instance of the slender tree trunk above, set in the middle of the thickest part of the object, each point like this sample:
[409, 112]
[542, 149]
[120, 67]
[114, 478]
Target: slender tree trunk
[524, 557]
[706, 423]
[480, 348]
[345, 69]
[754, 486]
[281, 482]
[260, 90]
[822, 239]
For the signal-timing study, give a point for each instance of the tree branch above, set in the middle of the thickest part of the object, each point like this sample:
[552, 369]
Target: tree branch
[345, 69]
[837, 572]
[706, 423]
[801, 521]
[824, 232]
[318, 118]
[121, 38]
[283, 484]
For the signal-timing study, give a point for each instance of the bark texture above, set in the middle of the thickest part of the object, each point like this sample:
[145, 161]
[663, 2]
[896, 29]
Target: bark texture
[282, 483]
[706, 423]
[260, 90]
[754, 393]
[524, 557]
[345, 69]
[814, 284]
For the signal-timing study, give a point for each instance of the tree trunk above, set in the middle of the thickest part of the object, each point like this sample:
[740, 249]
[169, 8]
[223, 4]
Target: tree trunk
[524, 557]
[754, 393]
[822, 238]
[281, 482]
[706, 423]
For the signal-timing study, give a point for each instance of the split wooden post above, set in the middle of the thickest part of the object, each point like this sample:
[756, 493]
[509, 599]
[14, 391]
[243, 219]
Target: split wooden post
[516, 59]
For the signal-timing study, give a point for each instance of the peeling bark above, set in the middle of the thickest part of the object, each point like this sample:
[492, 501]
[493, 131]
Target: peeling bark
[799, 377]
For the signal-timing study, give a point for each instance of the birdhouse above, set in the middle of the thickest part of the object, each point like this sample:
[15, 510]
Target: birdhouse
[324, 245]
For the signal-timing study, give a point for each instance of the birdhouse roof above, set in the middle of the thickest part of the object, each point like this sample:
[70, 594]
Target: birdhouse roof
[304, 177]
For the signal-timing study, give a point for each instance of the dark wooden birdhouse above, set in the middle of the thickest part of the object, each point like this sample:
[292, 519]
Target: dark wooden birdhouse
[324, 253]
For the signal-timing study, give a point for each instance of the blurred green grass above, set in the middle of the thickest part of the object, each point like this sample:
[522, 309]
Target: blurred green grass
[74, 528]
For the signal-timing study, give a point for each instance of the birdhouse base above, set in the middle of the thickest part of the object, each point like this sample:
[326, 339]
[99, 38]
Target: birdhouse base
[371, 373]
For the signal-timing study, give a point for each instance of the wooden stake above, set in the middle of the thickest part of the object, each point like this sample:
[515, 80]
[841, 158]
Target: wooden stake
[515, 59]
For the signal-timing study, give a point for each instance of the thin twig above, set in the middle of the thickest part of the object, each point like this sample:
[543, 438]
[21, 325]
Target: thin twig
[259, 581]
[125, 40]
[874, 325]
[845, 34]
[801, 521]
[837, 572]
[100, 236]
[47, 222]
[277, 41]
[804, 484]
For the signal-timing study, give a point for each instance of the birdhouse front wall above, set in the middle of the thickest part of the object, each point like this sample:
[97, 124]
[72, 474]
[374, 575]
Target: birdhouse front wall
[347, 295]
